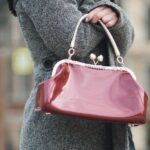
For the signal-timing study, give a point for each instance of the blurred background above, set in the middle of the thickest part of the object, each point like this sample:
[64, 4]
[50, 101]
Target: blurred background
[16, 78]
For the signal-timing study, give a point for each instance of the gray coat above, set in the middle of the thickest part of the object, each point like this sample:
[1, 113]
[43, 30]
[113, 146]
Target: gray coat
[47, 27]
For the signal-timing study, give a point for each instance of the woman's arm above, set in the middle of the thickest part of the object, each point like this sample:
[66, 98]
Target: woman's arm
[122, 31]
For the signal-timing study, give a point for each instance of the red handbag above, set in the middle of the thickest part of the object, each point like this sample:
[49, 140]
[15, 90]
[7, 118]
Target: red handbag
[90, 91]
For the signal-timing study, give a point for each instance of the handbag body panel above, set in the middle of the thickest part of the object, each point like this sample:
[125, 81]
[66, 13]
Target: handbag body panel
[95, 94]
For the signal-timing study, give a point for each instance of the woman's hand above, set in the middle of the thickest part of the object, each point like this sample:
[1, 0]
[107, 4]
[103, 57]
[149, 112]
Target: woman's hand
[106, 14]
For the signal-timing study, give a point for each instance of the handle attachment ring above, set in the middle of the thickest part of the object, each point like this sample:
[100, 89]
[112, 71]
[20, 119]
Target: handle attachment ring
[120, 60]
[71, 52]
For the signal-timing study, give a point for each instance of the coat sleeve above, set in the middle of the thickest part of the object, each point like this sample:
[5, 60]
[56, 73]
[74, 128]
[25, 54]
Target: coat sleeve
[123, 31]
[55, 24]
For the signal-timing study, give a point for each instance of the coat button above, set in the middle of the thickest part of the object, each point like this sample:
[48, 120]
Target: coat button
[47, 63]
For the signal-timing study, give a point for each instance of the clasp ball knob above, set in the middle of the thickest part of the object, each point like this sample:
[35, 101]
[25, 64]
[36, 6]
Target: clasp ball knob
[100, 58]
[92, 56]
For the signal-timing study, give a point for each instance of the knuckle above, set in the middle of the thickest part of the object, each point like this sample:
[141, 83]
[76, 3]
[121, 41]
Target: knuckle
[90, 15]
[104, 19]
[97, 16]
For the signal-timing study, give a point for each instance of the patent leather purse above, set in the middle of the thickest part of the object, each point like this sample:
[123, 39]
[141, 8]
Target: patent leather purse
[92, 91]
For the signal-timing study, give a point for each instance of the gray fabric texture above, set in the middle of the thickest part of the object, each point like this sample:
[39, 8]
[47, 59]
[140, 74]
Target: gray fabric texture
[47, 27]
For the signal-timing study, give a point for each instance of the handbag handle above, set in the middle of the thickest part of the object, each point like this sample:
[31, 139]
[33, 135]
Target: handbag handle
[71, 51]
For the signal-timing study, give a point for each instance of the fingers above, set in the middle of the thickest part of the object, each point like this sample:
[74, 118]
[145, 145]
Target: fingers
[110, 20]
[111, 23]
[94, 13]
[106, 14]
[109, 17]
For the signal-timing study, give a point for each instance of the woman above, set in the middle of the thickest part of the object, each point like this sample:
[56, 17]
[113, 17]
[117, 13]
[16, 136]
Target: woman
[47, 27]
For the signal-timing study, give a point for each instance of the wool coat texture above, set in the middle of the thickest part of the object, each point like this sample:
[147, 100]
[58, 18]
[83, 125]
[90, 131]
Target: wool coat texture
[47, 27]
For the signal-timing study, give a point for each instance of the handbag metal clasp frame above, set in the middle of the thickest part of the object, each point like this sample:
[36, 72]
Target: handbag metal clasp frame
[93, 57]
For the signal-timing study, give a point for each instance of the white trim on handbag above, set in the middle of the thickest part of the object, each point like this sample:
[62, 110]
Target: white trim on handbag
[98, 67]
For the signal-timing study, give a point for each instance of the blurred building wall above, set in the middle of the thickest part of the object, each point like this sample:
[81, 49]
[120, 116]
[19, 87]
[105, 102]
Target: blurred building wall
[14, 89]
[138, 58]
